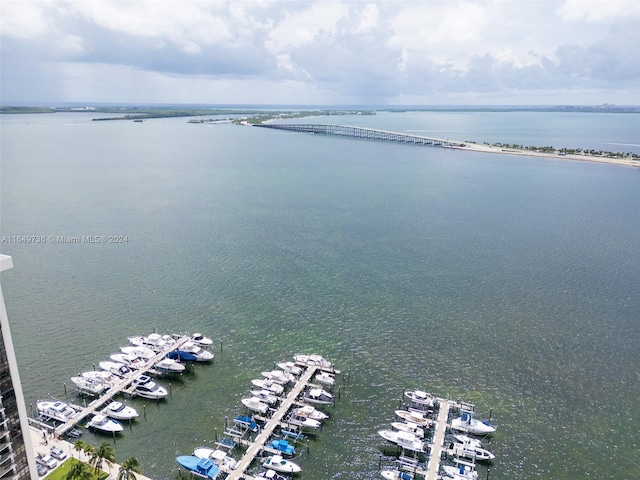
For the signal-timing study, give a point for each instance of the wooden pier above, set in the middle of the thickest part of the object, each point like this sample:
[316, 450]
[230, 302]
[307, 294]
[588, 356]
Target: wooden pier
[121, 386]
[433, 466]
[362, 133]
[258, 445]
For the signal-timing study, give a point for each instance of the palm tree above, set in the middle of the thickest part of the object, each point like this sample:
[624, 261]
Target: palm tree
[79, 446]
[129, 468]
[104, 452]
[79, 471]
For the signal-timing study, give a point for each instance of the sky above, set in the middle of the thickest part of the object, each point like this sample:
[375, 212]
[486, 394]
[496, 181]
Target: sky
[327, 52]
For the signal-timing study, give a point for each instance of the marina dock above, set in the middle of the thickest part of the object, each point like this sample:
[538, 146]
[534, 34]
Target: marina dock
[433, 466]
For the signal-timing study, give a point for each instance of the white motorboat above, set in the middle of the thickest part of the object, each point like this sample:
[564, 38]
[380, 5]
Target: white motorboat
[116, 368]
[413, 417]
[471, 448]
[119, 411]
[311, 412]
[270, 475]
[460, 472]
[395, 475]
[279, 376]
[421, 399]
[403, 439]
[200, 354]
[145, 387]
[89, 385]
[265, 396]
[169, 365]
[411, 428]
[466, 423]
[219, 457]
[103, 376]
[56, 410]
[290, 367]
[254, 403]
[139, 351]
[131, 361]
[318, 396]
[313, 360]
[303, 422]
[326, 378]
[279, 464]
[268, 384]
[200, 339]
[105, 424]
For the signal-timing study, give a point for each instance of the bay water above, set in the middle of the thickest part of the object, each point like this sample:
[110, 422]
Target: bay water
[508, 282]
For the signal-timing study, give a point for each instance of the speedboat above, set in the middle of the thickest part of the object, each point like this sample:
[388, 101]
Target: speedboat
[201, 339]
[56, 410]
[219, 457]
[131, 361]
[319, 396]
[326, 378]
[141, 351]
[144, 387]
[245, 421]
[313, 360]
[290, 367]
[416, 418]
[411, 428]
[116, 368]
[421, 399]
[254, 403]
[182, 356]
[405, 440]
[311, 412]
[396, 475]
[460, 472]
[270, 475]
[119, 411]
[169, 365]
[283, 446]
[105, 424]
[279, 376]
[265, 396]
[303, 422]
[201, 355]
[279, 464]
[203, 467]
[466, 423]
[89, 386]
[103, 376]
[471, 448]
[153, 341]
[268, 384]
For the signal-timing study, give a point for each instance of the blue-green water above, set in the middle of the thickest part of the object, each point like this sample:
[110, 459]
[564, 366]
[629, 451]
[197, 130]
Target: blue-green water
[509, 282]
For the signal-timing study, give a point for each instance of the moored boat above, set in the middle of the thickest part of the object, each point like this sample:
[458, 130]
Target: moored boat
[265, 396]
[139, 351]
[268, 384]
[182, 356]
[102, 376]
[466, 423]
[283, 446]
[246, 421]
[270, 475]
[411, 428]
[200, 339]
[395, 475]
[279, 376]
[254, 403]
[312, 360]
[405, 440]
[105, 424]
[318, 396]
[119, 411]
[325, 378]
[201, 355]
[279, 464]
[219, 457]
[115, 368]
[89, 385]
[131, 361]
[413, 417]
[169, 365]
[471, 448]
[290, 367]
[311, 412]
[460, 472]
[303, 422]
[145, 387]
[204, 467]
[420, 399]
[56, 410]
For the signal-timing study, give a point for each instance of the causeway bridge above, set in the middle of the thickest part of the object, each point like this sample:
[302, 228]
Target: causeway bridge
[361, 132]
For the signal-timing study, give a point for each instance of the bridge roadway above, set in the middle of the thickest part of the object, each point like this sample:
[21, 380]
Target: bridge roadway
[119, 387]
[267, 431]
[361, 132]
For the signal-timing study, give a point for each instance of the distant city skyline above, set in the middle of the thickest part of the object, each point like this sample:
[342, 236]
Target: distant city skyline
[278, 52]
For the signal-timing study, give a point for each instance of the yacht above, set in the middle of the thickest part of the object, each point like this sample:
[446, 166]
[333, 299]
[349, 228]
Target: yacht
[405, 440]
[279, 464]
[141, 351]
[411, 428]
[147, 388]
[279, 376]
[265, 396]
[326, 378]
[460, 472]
[119, 411]
[466, 423]
[416, 418]
[312, 361]
[254, 403]
[311, 412]
[290, 367]
[219, 457]
[153, 341]
[202, 467]
[116, 368]
[89, 386]
[201, 355]
[169, 365]
[105, 424]
[268, 384]
[201, 339]
[103, 376]
[471, 448]
[131, 361]
[303, 422]
[319, 396]
[56, 410]
[421, 399]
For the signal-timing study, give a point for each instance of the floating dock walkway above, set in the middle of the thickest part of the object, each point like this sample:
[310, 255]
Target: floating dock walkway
[363, 133]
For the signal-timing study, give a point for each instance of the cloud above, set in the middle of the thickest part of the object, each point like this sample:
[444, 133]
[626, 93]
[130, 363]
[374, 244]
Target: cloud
[345, 51]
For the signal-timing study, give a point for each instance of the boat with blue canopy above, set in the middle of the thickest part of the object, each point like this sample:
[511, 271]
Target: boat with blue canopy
[204, 467]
